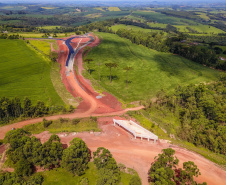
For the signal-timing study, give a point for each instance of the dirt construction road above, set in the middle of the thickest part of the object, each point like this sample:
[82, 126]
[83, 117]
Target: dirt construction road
[139, 154]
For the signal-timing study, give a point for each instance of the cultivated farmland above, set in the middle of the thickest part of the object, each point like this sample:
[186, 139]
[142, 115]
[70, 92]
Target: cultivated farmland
[23, 73]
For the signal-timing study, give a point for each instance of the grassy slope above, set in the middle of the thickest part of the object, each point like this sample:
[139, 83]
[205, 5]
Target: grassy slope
[61, 176]
[23, 73]
[135, 28]
[152, 70]
[162, 18]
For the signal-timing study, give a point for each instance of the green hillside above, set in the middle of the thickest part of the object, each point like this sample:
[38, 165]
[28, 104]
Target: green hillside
[23, 73]
[152, 70]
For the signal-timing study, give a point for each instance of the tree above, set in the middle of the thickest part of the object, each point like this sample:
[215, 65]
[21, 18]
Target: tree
[135, 180]
[23, 168]
[111, 65]
[76, 157]
[108, 170]
[164, 170]
[88, 61]
[127, 70]
[101, 157]
[52, 152]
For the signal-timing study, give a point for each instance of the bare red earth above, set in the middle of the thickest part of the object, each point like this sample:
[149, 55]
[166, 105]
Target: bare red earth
[139, 154]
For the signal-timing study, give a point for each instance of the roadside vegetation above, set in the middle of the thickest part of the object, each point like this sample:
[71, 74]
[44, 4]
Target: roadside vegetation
[64, 125]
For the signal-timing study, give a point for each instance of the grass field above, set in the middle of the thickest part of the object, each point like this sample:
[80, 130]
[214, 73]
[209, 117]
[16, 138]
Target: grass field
[113, 9]
[160, 25]
[202, 15]
[200, 28]
[49, 8]
[162, 18]
[99, 8]
[41, 45]
[94, 15]
[61, 176]
[23, 73]
[64, 125]
[152, 70]
[49, 27]
[130, 27]
[39, 35]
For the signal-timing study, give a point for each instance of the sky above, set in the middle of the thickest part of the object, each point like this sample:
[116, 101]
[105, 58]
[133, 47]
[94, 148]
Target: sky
[111, 1]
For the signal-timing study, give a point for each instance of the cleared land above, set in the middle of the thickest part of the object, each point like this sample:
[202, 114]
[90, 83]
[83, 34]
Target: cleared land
[23, 73]
[152, 70]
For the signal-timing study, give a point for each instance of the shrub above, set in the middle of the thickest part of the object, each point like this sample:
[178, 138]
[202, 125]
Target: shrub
[47, 123]
[75, 121]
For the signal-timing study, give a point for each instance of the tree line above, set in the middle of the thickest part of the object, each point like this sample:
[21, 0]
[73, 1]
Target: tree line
[199, 112]
[11, 109]
[26, 153]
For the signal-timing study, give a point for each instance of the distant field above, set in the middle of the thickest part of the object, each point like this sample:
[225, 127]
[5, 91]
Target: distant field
[23, 73]
[162, 18]
[135, 28]
[152, 70]
[49, 8]
[99, 8]
[60, 176]
[94, 15]
[200, 28]
[14, 7]
[39, 35]
[160, 25]
[115, 9]
[202, 15]
[49, 27]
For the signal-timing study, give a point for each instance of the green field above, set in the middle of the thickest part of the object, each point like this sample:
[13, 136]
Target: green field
[64, 125]
[49, 27]
[152, 70]
[134, 28]
[41, 45]
[23, 73]
[200, 28]
[113, 9]
[162, 18]
[60, 176]
[202, 15]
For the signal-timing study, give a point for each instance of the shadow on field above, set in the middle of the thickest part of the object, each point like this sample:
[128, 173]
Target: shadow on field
[171, 66]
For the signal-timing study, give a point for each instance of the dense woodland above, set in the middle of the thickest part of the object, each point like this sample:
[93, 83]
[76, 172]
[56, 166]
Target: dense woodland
[200, 111]
[11, 109]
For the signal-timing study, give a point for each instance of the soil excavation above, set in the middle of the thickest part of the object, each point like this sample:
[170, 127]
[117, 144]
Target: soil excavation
[138, 154]
[134, 153]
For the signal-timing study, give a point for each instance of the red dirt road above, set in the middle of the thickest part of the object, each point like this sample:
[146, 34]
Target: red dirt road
[139, 154]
